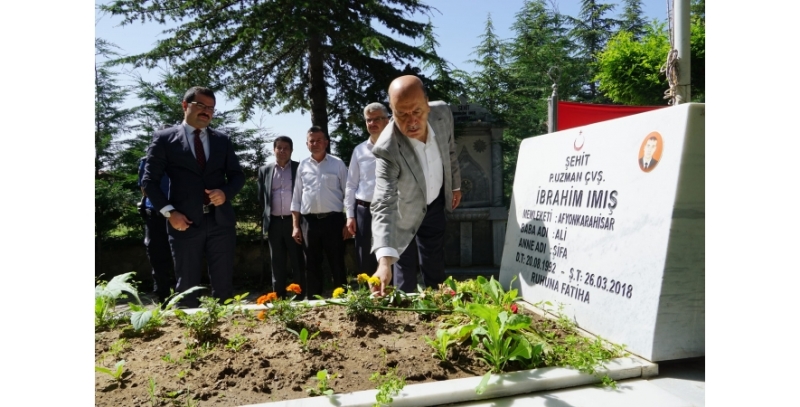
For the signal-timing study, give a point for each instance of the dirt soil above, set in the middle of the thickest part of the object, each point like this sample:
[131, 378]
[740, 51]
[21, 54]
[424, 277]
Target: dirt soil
[271, 365]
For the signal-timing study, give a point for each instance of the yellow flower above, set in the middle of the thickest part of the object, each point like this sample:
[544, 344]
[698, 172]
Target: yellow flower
[338, 292]
[362, 278]
[374, 281]
[295, 288]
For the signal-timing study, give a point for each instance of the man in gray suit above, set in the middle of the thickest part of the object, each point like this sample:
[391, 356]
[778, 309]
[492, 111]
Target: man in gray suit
[275, 186]
[417, 180]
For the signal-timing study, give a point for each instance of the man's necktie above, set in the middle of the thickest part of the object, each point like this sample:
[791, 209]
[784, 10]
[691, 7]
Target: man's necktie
[200, 155]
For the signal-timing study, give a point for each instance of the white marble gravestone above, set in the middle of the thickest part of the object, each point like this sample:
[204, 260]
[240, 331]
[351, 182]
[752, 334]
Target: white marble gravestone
[609, 220]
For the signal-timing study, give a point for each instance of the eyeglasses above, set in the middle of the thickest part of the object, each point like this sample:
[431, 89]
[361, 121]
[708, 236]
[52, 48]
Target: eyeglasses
[376, 120]
[203, 107]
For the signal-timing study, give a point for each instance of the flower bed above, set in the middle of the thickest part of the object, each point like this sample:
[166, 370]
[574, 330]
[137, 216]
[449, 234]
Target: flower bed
[231, 355]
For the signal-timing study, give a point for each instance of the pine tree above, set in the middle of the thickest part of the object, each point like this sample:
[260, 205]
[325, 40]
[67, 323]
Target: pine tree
[631, 19]
[591, 30]
[283, 55]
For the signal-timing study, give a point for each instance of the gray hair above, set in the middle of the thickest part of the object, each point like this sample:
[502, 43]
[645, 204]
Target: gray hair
[375, 107]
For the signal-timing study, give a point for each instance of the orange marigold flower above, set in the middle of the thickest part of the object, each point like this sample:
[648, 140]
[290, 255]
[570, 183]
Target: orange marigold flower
[362, 278]
[338, 292]
[267, 298]
[262, 315]
[374, 281]
[295, 288]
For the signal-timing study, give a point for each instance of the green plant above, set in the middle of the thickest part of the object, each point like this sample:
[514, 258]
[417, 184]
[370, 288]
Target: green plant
[119, 346]
[498, 332]
[146, 320]
[182, 374]
[286, 312]
[388, 385]
[441, 343]
[303, 337]
[236, 302]
[202, 324]
[168, 358]
[106, 295]
[236, 342]
[323, 386]
[116, 373]
[151, 391]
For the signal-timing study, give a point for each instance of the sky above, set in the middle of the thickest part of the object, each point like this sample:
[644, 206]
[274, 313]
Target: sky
[458, 24]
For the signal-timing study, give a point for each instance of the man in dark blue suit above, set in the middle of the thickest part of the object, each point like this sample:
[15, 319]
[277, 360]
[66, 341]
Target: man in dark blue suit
[275, 188]
[205, 176]
[156, 240]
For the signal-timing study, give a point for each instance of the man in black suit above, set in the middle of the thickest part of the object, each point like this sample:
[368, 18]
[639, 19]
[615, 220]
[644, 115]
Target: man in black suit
[647, 163]
[275, 186]
[205, 176]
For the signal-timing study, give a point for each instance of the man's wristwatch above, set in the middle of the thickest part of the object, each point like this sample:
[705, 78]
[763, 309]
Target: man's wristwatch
[169, 213]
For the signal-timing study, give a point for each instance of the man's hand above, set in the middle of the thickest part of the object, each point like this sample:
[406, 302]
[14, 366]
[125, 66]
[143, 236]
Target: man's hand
[297, 235]
[179, 221]
[456, 199]
[384, 273]
[351, 225]
[346, 233]
[216, 196]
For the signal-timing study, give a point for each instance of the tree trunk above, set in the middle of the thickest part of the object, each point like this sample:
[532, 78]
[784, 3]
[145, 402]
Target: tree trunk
[317, 90]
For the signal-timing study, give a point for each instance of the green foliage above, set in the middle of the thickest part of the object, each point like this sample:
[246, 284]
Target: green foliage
[591, 30]
[286, 312]
[236, 303]
[441, 343]
[303, 337]
[323, 384]
[629, 69]
[498, 332]
[284, 55]
[152, 391]
[236, 343]
[389, 385]
[148, 320]
[116, 373]
[106, 295]
[202, 324]
[631, 19]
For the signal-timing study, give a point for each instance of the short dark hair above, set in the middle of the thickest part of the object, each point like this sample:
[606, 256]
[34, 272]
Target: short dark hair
[188, 97]
[285, 140]
[654, 138]
[315, 129]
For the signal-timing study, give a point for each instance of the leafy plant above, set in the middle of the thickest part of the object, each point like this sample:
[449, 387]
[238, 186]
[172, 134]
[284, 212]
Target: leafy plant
[441, 343]
[285, 311]
[323, 384]
[236, 342]
[499, 334]
[202, 324]
[388, 385]
[116, 373]
[151, 391]
[303, 337]
[146, 320]
[106, 295]
[237, 302]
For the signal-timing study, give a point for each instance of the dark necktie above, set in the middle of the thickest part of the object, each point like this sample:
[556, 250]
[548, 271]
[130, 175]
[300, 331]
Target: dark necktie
[200, 154]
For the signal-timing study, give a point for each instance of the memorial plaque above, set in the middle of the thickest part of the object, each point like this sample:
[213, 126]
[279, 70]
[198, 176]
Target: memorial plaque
[609, 220]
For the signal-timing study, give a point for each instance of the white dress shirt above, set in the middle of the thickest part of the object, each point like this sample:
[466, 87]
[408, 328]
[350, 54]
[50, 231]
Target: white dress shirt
[430, 159]
[319, 187]
[360, 177]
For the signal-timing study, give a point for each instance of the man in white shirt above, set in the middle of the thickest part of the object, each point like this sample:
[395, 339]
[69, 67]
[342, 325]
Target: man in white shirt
[417, 180]
[361, 186]
[317, 212]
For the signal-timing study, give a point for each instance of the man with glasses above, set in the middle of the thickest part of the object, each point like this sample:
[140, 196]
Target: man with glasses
[361, 186]
[318, 220]
[275, 187]
[205, 176]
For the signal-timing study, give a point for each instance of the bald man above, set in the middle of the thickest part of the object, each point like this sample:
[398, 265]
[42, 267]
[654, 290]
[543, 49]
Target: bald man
[417, 179]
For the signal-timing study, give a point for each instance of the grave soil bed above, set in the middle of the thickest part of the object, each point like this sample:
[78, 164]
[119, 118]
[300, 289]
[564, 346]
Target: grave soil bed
[272, 365]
